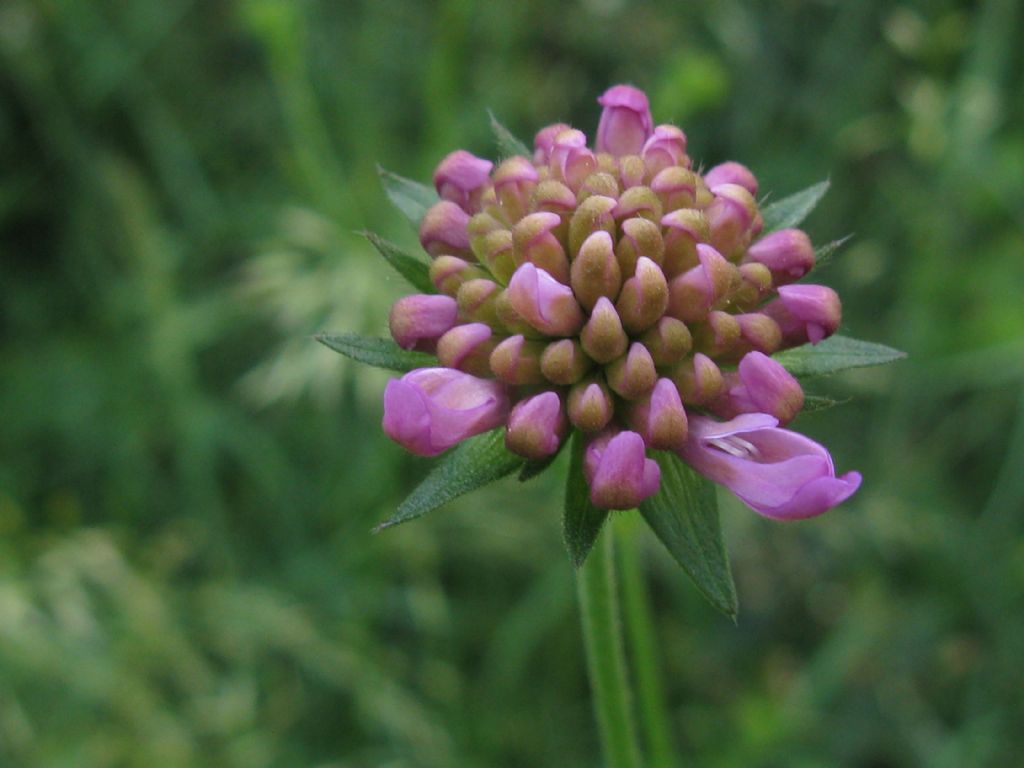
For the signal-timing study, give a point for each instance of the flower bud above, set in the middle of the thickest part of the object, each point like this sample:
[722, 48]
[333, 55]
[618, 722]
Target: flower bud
[638, 202]
[676, 187]
[546, 304]
[805, 313]
[418, 321]
[533, 242]
[601, 183]
[460, 178]
[660, 419]
[590, 405]
[730, 215]
[595, 270]
[443, 230]
[788, 253]
[632, 171]
[684, 229]
[536, 426]
[514, 182]
[718, 336]
[759, 332]
[495, 251]
[571, 160]
[755, 283]
[644, 297]
[698, 380]
[603, 337]
[618, 471]
[516, 361]
[447, 273]
[761, 385]
[665, 148]
[429, 410]
[593, 214]
[640, 237]
[625, 121]
[476, 301]
[544, 142]
[468, 348]
[668, 341]
[692, 294]
[564, 362]
[633, 374]
[732, 173]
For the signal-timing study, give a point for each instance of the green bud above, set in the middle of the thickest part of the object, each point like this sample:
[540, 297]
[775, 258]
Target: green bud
[668, 341]
[632, 171]
[495, 251]
[718, 335]
[601, 183]
[516, 361]
[590, 405]
[640, 237]
[595, 270]
[447, 273]
[633, 375]
[644, 297]
[684, 229]
[593, 214]
[638, 202]
[564, 362]
[476, 301]
[603, 337]
[698, 380]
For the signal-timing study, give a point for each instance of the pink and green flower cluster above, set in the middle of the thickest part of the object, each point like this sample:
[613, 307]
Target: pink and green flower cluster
[614, 290]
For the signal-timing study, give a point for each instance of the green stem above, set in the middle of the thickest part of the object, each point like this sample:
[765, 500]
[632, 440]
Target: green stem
[636, 609]
[606, 661]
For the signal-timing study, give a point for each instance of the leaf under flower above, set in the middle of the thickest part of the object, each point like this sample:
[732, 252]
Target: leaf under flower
[582, 521]
[836, 353]
[508, 144]
[380, 353]
[408, 196]
[792, 210]
[415, 271]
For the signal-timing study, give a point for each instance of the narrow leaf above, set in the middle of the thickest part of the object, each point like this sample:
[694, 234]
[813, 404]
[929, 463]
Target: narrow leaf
[472, 464]
[684, 515]
[408, 266]
[823, 255]
[792, 210]
[836, 353]
[815, 403]
[408, 196]
[582, 520]
[380, 353]
[508, 144]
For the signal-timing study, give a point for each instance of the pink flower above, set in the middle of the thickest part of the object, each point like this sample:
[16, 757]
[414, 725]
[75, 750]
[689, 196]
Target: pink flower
[732, 173]
[418, 321]
[429, 410]
[460, 177]
[788, 253]
[776, 472]
[626, 121]
[618, 471]
[806, 313]
[543, 302]
[761, 385]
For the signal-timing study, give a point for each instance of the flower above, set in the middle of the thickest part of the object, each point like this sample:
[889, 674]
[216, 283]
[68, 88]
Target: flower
[613, 290]
[776, 472]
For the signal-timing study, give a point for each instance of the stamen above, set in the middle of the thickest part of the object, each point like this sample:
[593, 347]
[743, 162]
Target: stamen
[734, 446]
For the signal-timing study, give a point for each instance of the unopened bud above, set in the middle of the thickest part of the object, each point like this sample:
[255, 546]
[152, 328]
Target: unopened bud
[698, 380]
[625, 121]
[805, 313]
[533, 242]
[788, 253]
[759, 332]
[638, 202]
[618, 471]
[601, 183]
[668, 341]
[447, 273]
[595, 270]
[665, 148]
[467, 347]
[571, 160]
[603, 337]
[544, 141]
[640, 237]
[732, 173]
[633, 374]
[632, 171]
[418, 321]
[590, 405]
[718, 335]
[514, 182]
[546, 304]
[476, 301]
[684, 228]
[644, 297]
[676, 187]
[460, 177]
[536, 426]
[755, 283]
[495, 251]
[730, 215]
[660, 419]
[564, 362]
[594, 214]
[516, 361]
[692, 294]
[443, 230]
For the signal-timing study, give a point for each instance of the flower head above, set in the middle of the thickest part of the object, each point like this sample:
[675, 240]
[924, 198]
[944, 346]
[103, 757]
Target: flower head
[612, 289]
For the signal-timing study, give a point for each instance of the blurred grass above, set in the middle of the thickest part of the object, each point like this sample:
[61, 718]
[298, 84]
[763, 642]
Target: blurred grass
[187, 481]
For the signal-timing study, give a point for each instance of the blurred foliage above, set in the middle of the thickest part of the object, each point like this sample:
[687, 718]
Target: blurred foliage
[187, 480]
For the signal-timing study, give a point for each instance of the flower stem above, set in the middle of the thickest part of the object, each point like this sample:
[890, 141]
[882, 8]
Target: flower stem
[606, 661]
[639, 623]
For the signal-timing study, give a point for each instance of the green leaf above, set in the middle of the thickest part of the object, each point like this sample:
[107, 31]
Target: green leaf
[836, 353]
[380, 353]
[824, 254]
[410, 197]
[408, 266]
[792, 210]
[684, 515]
[815, 403]
[508, 144]
[472, 464]
[582, 520]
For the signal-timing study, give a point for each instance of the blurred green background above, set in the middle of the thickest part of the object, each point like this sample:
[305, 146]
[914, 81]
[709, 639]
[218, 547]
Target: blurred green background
[187, 480]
